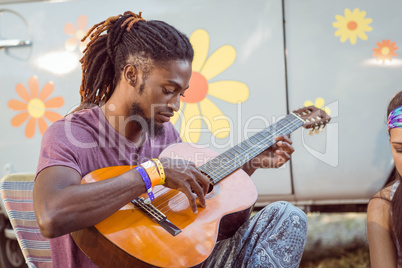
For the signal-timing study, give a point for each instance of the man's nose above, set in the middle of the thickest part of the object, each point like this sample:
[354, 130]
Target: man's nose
[175, 103]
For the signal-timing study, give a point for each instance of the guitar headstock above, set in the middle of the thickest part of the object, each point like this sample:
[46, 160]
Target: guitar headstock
[314, 118]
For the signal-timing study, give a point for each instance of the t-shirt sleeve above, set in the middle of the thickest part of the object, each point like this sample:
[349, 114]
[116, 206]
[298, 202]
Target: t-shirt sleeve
[57, 149]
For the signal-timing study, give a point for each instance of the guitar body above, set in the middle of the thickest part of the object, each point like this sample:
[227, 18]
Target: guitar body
[129, 238]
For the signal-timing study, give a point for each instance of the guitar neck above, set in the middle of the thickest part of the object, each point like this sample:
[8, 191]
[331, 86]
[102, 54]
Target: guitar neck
[234, 158]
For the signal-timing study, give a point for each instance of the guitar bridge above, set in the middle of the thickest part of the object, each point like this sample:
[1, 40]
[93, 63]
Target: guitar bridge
[156, 215]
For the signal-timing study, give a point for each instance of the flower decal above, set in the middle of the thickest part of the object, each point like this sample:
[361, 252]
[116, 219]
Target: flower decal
[385, 50]
[196, 105]
[319, 103]
[34, 106]
[353, 25]
[76, 34]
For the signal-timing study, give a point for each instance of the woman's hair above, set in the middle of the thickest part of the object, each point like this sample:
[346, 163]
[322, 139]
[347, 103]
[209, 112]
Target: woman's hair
[396, 202]
[126, 39]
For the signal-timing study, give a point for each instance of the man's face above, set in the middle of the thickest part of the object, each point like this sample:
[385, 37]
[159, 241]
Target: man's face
[160, 95]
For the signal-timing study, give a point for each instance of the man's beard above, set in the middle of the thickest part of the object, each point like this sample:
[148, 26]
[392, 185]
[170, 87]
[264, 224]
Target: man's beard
[147, 124]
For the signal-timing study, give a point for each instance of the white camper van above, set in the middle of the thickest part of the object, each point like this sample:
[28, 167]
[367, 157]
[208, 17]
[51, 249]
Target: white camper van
[262, 59]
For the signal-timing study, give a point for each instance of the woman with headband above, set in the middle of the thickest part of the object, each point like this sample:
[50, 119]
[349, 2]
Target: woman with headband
[384, 213]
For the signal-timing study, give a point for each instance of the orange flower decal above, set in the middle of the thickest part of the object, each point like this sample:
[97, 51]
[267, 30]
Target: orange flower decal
[34, 106]
[385, 50]
[76, 34]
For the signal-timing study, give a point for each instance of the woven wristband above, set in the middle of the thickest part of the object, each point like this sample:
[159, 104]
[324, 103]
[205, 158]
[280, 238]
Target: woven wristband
[161, 170]
[152, 171]
[147, 182]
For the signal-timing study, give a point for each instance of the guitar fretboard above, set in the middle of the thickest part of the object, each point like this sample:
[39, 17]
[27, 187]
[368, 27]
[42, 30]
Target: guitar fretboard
[226, 163]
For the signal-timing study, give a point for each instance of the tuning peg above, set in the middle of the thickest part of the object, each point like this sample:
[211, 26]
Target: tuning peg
[319, 129]
[311, 132]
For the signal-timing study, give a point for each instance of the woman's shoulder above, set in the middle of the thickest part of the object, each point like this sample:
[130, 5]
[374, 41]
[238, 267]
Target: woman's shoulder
[384, 193]
[378, 209]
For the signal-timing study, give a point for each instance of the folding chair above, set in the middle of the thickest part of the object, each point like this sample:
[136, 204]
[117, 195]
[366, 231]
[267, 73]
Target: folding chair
[16, 192]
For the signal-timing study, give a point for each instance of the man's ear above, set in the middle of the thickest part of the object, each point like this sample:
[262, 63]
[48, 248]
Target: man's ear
[130, 74]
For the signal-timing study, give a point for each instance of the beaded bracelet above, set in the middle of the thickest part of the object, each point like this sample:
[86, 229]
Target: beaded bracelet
[161, 170]
[147, 182]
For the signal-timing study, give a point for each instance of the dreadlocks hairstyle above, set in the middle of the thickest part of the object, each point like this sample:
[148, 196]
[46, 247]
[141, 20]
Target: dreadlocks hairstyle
[119, 39]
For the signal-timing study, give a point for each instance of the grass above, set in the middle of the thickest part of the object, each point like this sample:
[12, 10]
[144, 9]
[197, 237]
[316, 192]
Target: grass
[357, 258]
[336, 240]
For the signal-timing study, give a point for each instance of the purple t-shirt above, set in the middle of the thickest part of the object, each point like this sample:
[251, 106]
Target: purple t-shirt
[85, 141]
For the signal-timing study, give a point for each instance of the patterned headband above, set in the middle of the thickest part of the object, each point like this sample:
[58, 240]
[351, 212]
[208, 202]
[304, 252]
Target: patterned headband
[395, 118]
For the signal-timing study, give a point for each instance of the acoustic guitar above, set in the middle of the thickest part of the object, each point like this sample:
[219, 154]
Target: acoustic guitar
[166, 233]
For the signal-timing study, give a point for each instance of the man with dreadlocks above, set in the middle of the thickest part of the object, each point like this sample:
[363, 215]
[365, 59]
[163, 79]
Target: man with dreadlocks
[134, 72]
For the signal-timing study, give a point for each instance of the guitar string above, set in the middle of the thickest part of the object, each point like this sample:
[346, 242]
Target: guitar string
[155, 210]
[221, 170]
[151, 211]
[255, 142]
[179, 198]
[167, 206]
[162, 207]
[263, 141]
[169, 201]
[168, 198]
[177, 202]
[241, 154]
[183, 197]
[156, 214]
[158, 194]
[173, 203]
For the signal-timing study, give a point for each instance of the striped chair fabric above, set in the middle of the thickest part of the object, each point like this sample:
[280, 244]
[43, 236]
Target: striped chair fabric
[16, 192]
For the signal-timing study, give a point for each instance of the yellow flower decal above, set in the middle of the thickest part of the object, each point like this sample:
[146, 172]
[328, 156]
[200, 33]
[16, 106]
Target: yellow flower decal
[353, 25]
[76, 34]
[319, 103]
[34, 106]
[196, 107]
[385, 50]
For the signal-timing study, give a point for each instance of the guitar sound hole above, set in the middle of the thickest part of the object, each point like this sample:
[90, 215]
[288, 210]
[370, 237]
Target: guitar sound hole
[211, 187]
